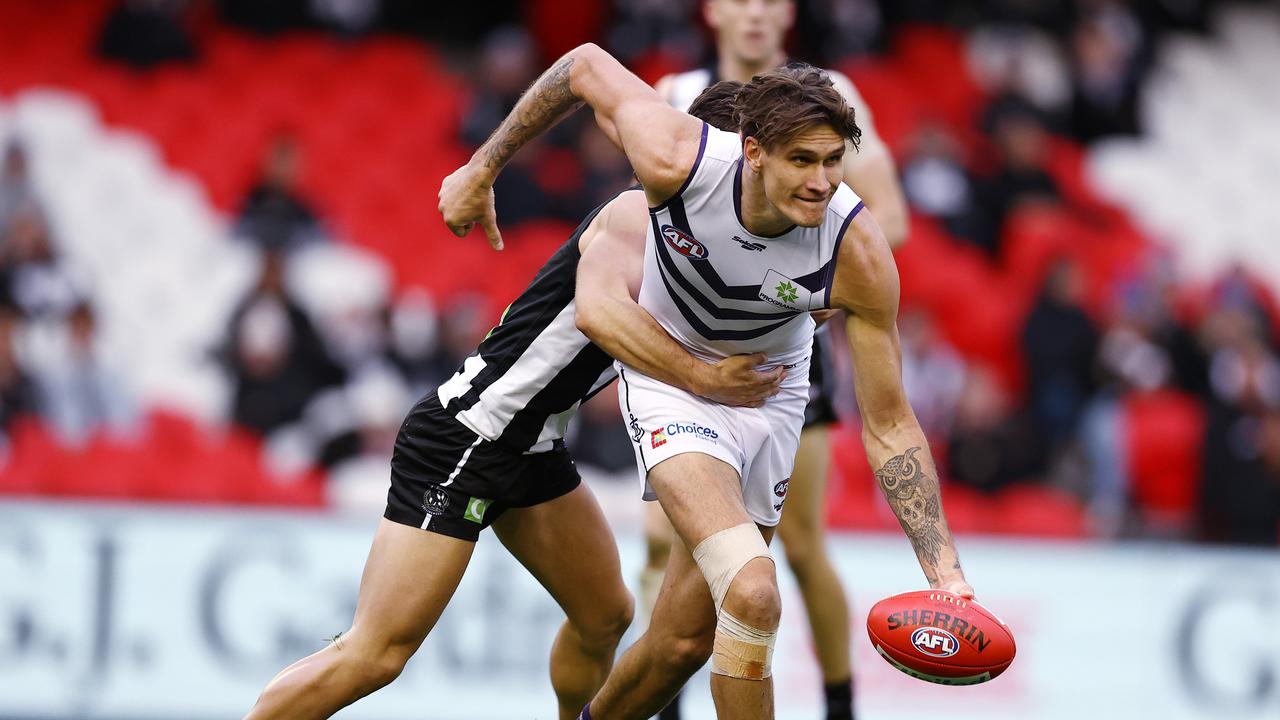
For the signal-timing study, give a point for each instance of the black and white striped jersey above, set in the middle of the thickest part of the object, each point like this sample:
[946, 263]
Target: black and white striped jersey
[528, 377]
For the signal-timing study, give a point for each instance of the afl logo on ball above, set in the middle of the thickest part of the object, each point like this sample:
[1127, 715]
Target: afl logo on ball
[935, 642]
[684, 243]
[781, 488]
[435, 501]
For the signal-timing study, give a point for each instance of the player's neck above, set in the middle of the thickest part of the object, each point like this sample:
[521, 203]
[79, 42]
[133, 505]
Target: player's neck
[732, 68]
[759, 216]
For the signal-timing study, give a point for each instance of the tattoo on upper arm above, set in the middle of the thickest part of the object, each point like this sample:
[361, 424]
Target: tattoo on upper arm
[546, 101]
[914, 499]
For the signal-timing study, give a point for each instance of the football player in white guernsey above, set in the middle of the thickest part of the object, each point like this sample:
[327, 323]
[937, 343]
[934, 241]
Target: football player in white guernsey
[477, 462]
[715, 468]
[750, 37]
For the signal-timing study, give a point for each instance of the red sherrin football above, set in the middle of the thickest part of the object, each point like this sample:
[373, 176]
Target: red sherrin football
[940, 637]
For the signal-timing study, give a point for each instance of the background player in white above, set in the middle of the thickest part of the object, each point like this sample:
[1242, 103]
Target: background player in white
[726, 605]
[750, 37]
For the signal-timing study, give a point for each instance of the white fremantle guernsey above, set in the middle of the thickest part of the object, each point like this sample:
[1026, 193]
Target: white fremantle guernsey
[720, 290]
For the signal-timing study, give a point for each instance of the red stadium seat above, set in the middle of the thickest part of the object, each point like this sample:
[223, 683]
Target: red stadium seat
[1164, 439]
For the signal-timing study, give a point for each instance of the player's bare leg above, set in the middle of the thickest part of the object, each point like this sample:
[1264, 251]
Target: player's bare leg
[676, 643]
[702, 496]
[408, 579]
[658, 538]
[567, 545]
[803, 535]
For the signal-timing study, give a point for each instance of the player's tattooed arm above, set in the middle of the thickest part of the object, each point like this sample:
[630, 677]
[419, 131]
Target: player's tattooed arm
[914, 496]
[546, 101]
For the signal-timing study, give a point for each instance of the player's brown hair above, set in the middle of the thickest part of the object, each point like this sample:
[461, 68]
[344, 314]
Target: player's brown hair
[714, 105]
[778, 105]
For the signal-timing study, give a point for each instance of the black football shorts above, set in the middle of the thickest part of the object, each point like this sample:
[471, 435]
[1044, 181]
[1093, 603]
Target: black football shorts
[447, 479]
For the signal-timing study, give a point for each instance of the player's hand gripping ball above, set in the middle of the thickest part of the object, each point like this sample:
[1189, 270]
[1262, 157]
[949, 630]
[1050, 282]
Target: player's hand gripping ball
[940, 637]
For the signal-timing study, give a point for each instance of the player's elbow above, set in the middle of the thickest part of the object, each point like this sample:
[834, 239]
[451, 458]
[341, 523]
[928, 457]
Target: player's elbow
[882, 425]
[587, 317]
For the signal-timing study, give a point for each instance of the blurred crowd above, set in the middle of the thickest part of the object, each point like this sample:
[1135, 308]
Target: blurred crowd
[332, 390]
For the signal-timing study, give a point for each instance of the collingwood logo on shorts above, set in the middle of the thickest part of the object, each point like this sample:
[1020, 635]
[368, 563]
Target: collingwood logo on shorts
[435, 501]
[637, 432]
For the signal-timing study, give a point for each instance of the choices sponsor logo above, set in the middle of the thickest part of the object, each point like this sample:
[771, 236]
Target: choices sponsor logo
[781, 488]
[935, 642]
[693, 428]
[684, 243]
[658, 438]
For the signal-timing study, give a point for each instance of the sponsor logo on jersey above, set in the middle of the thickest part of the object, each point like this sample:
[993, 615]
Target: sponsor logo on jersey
[435, 501]
[778, 506]
[658, 438]
[781, 291]
[683, 243]
[748, 245]
[637, 432]
[686, 428]
[781, 488]
[475, 509]
[935, 642]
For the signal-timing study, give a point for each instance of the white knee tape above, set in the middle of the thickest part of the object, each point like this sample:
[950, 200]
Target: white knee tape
[741, 651]
[722, 555]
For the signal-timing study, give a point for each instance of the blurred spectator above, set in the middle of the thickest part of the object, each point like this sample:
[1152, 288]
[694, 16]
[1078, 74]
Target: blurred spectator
[837, 30]
[508, 64]
[464, 323]
[1240, 495]
[81, 390]
[1020, 60]
[348, 17]
[17, 196]
[17, 392]
[990, 446]
[278, 360]
[938, 184]
[1059, 342]
[144, 33]
[412, 337]
[273, 215]
[1022, 142]
[32, 276]
[1105, 47]
[668, 27]
[932, 373]
[605, 172]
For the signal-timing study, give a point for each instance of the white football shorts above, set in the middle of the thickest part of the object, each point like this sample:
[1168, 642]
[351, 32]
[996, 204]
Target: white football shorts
[759, 443]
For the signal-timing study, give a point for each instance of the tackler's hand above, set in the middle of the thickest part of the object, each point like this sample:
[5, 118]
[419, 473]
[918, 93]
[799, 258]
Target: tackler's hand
[736, 381]
[466, 198]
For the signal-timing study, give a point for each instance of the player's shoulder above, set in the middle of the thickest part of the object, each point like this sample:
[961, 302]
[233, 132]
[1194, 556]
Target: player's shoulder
[844, 204]
[721, 145]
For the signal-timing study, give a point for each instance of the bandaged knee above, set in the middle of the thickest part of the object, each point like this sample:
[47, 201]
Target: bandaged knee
[739, 651]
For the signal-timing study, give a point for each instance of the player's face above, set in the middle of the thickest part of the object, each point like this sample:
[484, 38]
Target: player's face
[752, 30]
[801, 176]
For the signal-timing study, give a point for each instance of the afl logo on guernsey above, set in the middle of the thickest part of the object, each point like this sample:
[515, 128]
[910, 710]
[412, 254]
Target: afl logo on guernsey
[684, 243]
